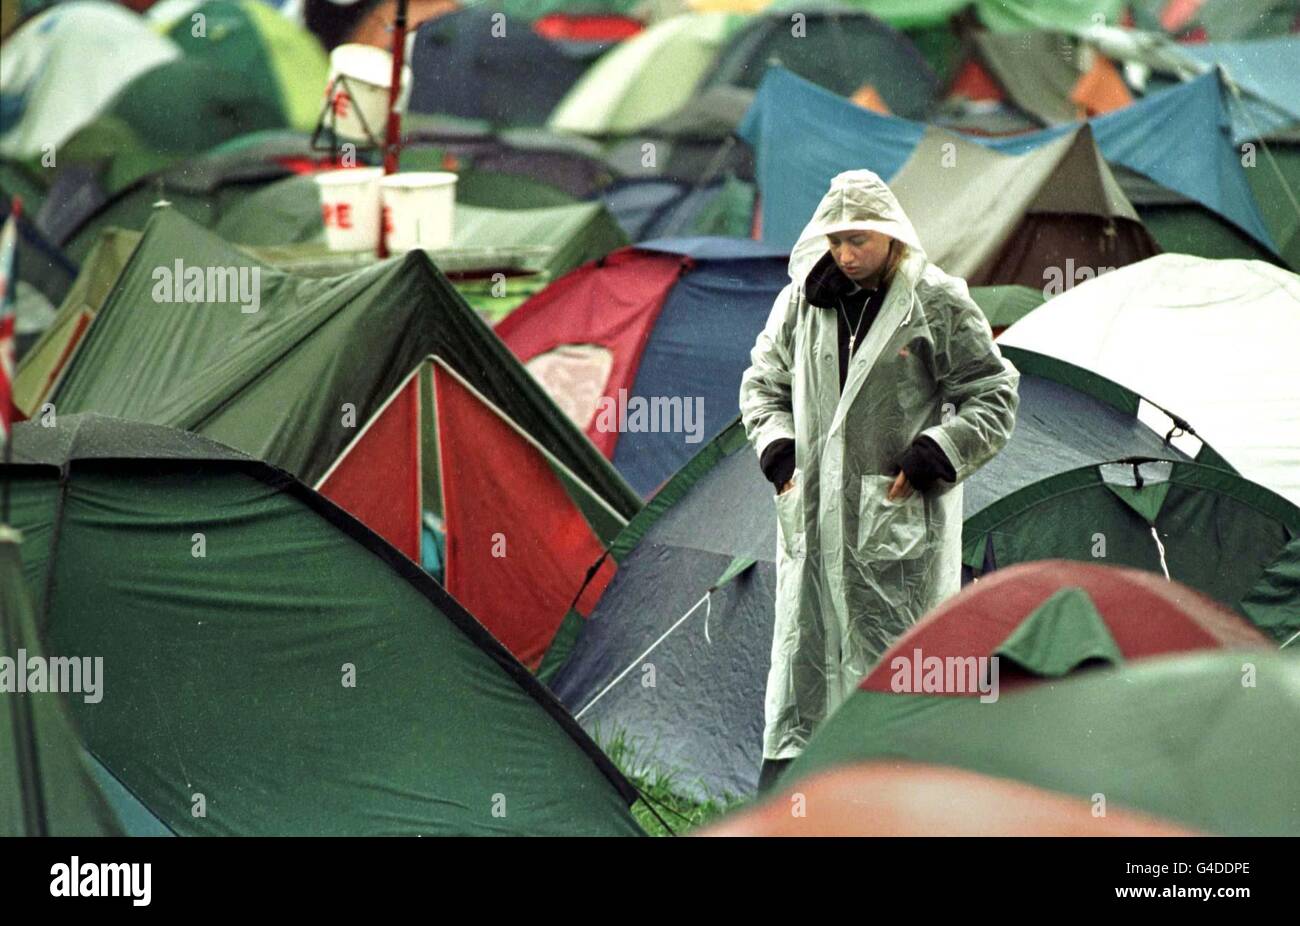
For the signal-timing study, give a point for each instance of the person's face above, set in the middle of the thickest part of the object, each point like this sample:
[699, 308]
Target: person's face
[859, 254]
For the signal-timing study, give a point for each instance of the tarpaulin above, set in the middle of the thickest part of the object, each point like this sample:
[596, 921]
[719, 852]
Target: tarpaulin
[1149, 137]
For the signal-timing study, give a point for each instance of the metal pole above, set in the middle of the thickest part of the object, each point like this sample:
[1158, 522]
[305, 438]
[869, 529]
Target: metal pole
[393, 131]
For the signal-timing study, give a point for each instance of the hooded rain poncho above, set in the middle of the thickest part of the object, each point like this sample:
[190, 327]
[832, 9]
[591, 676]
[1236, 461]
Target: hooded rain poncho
[855, 570]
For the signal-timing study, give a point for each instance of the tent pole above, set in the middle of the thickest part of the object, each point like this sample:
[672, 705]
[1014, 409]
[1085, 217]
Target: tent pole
[11, 286]
[393, 130]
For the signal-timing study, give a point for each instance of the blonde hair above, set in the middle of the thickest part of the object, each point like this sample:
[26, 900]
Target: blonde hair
[897, 254]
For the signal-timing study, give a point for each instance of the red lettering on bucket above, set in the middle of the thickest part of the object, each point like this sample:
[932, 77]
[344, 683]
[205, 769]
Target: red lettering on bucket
[341, 103]
[388, 220]
[336, 215]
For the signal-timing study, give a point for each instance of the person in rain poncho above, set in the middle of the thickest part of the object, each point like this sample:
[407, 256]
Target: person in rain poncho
[874, 389]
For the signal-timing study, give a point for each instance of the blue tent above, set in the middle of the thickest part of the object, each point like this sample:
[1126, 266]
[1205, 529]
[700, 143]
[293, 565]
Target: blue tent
[670, 319]
[699, 346]
[462, 68]
[663, 207]
[1150, 137]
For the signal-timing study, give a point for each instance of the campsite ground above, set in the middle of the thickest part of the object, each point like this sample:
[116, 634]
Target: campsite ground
[660, 790]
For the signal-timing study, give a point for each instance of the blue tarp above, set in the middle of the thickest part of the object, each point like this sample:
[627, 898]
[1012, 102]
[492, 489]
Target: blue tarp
[803, 135]
[699, 347]
[1268, 73]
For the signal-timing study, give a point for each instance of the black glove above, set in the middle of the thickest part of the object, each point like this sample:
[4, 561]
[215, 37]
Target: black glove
[777, 462]
[925, 464]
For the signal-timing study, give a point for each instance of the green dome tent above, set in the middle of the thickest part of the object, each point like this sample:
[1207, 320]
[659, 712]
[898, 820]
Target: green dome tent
[333, 379]
[1202, 525]
[1212, 338]
[243, 68]
[283, 60]
[266, 651]
[1205, 740]
[41, 364]
[833, 45]
[172, 112]
[47, 785]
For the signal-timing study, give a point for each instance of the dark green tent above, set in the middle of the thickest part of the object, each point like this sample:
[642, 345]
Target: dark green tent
[47, 787]
[281, 59]
[1003, 306]
[85, 199]
[1183, 226]
[284, 212]
[172, 112]
[1153, 508]
[279, 383]
[1230, 538]
[833, 45]
[270, 666]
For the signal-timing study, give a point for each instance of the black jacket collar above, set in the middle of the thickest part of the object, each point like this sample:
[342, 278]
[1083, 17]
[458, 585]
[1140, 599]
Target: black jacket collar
[826, 284]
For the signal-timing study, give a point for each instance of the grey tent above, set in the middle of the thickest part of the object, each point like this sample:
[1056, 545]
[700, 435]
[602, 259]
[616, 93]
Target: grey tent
[997, 218]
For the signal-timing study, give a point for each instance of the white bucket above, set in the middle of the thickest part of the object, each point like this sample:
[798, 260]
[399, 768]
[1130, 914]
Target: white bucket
[369, 71]
[349, 202]
[419, 209]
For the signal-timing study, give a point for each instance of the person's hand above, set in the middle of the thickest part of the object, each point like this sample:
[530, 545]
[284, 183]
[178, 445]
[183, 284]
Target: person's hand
[901, 487]
[787, 487]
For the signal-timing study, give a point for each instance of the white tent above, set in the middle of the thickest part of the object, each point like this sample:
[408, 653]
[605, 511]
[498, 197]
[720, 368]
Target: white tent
[1217, 341]
[63, 67]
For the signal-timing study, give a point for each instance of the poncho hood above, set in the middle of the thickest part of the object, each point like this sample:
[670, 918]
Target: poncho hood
[858, 200]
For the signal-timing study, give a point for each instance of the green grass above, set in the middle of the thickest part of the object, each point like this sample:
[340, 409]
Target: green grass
[662, 790]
